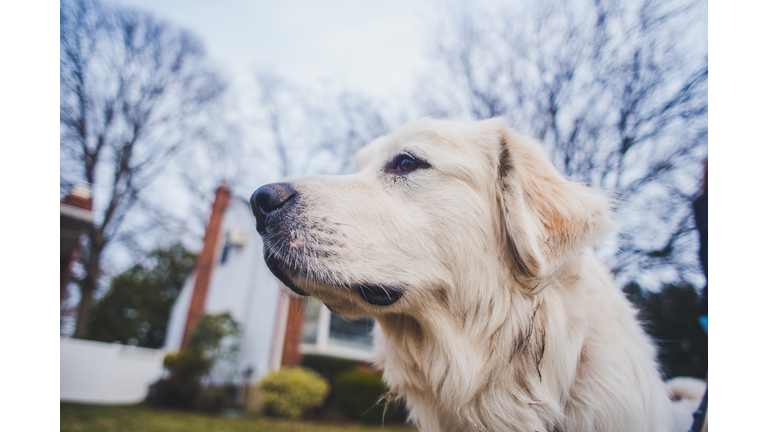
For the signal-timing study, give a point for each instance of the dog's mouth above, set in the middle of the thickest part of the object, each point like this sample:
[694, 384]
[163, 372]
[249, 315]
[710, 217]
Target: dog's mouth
[379, 295]
[374, 294]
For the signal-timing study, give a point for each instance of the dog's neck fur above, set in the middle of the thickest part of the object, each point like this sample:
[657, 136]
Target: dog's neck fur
[486, 368]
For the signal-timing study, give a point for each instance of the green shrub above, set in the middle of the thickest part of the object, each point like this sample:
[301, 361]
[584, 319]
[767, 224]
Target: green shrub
[289, 392]
[186, 367]
[327, 366]
[358, 392]
[187, 364]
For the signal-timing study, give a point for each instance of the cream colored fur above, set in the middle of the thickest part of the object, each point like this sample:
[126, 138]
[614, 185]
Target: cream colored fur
[508, 321]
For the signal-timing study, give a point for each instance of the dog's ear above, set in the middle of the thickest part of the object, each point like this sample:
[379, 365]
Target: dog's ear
[548, 220]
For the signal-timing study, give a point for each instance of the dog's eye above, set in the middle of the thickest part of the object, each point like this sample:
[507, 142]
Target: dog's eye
[406, 164]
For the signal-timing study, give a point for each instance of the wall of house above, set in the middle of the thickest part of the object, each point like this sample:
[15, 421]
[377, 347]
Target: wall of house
[107, 373]
[243, 286]
[175, 328]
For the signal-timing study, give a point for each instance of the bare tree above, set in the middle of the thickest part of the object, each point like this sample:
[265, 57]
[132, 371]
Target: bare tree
[135, 92]
[314, 132]
[617, 92]
[345, 126]
[273, 90]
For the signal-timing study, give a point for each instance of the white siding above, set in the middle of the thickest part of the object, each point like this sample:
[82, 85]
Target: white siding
[175, 329]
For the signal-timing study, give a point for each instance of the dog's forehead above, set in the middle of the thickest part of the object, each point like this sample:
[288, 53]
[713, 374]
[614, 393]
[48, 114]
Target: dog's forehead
[432, 140]
[425, 134]
[421, 142]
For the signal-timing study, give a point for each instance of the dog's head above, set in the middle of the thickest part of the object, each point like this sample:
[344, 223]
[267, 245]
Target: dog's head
[435, 208]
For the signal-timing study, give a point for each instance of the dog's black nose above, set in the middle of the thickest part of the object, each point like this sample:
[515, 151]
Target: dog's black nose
[268, 199]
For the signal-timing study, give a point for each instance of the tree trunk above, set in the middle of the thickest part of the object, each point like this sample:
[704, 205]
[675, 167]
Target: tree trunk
[81, 326]
[90, 283]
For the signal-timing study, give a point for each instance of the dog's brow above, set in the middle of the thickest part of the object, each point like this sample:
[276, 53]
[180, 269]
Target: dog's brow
[412, 153]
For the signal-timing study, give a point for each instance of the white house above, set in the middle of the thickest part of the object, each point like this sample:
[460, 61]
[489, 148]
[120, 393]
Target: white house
[231, 276]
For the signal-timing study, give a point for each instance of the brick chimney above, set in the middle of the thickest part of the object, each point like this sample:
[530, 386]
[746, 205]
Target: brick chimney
[295, 322]
[206, 261]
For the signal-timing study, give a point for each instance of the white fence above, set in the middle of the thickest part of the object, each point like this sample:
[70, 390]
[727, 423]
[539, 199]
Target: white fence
[107, 373]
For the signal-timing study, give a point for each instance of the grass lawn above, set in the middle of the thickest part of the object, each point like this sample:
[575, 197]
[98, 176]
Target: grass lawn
[99, 418]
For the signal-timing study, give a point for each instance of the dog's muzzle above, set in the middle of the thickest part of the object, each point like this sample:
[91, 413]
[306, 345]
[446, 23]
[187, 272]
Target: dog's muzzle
[270, 204]
[274, 206]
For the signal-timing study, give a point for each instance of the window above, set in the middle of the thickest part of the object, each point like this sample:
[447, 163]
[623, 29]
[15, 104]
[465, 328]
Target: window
[311, 318]
[325, 333]
[235, 238]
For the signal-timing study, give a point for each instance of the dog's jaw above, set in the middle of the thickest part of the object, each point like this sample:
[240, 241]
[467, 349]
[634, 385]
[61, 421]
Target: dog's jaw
[372, 293]
[278, 269]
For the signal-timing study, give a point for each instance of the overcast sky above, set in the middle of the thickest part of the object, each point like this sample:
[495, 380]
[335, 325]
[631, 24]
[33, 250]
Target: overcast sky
[374, 46]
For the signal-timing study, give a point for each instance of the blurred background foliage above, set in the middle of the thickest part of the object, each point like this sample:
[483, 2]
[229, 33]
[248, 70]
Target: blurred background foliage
[290, 392]
[136, 307]
[200, 372]
[362, 394]
[670, 317]
[356, 392]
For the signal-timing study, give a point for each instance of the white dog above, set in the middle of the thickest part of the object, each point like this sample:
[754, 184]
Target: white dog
[476, 258]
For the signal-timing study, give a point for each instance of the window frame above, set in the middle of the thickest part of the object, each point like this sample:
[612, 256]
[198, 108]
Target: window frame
[322, 343]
